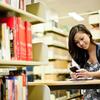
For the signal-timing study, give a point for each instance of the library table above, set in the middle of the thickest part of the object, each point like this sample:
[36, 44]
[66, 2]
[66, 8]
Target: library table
[69, 84]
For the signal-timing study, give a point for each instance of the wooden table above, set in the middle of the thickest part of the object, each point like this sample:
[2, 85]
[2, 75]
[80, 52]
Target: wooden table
[69, 84]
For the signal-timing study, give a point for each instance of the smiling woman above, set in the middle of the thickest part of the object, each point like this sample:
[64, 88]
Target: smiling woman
[82, 40]
[80, 36]
[86, 53]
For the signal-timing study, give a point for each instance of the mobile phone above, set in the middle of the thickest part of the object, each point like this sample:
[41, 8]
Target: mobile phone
[74, 68]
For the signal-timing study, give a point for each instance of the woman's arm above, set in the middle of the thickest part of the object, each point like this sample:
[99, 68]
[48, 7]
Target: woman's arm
[86, 74]
[95, 74]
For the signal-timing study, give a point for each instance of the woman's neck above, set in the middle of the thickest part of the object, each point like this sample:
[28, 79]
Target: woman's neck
[92, 48]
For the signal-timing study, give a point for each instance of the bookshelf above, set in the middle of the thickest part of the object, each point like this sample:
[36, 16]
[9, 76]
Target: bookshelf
[49, 68]
[4, 7]
[18, 64]
[94, 21]
[57, 68]
[18, 12]
[57, 41]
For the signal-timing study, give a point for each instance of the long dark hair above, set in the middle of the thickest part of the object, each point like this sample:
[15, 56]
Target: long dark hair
[78, 54]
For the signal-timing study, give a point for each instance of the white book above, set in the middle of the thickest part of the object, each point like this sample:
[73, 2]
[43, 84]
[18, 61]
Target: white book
[15, 3]
[5, 42]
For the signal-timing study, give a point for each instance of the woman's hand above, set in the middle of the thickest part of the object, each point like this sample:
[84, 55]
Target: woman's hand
[83, 73]
[73, 75]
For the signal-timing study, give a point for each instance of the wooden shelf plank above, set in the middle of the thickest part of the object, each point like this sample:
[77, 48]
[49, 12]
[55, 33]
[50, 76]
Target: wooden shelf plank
[14, 63]
[52, 71]
[66, 83]
[55, 30]
[25, 15]
[57, 44]
[51, 57]
[76, 96]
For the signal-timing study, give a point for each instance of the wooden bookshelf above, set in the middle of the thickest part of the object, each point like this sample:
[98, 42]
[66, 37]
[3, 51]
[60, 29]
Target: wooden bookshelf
[18, 12]
[6, 10]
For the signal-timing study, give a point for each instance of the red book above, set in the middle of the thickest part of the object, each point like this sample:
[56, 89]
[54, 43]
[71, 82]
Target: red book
[11, 22]
[22, 42]
[28, 36]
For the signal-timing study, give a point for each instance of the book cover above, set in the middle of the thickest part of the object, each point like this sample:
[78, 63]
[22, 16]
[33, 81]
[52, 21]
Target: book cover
[28, 37]
[22, 41]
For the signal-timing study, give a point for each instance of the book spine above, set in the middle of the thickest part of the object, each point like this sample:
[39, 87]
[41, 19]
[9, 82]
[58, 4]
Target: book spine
[28, 36]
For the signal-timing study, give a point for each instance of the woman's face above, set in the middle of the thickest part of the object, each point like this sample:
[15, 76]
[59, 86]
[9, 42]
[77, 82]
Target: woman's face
[82, 40]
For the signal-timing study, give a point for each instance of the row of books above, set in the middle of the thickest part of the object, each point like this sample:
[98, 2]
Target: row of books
[18, 4]
[16, 39]
[14, 86]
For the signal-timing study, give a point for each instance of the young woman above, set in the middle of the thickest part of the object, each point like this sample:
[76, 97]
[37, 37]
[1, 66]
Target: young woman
[86, 53]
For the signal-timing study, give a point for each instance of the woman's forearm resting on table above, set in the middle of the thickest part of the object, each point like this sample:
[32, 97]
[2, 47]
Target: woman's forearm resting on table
[95, 74]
